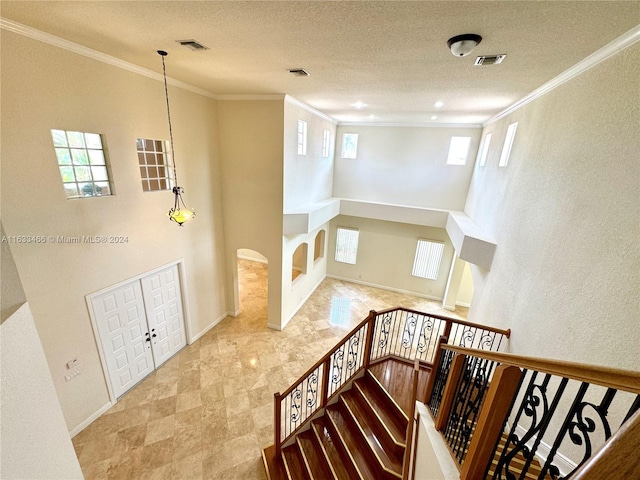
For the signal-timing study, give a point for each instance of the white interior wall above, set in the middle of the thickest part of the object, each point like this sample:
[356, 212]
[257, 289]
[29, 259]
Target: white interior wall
[296, 292]
[45, 87]
[307, 178]
[386, 252]
[251, 152]
[34, 441]
[465, 291]
[566, 218]
[404, 166]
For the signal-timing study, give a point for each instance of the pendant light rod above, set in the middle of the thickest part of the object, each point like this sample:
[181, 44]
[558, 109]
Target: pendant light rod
[163, 54]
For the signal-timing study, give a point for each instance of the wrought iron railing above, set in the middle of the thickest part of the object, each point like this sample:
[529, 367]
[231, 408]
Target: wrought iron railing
[507, 416]
[403, 333]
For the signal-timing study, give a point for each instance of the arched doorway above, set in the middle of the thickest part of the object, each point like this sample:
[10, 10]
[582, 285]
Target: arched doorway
[253, 284]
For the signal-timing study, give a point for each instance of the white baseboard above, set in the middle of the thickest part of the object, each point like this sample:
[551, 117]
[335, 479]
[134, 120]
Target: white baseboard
[564, 464]
[90, 419]
[302, 302]
[384, 287]
[211, 325]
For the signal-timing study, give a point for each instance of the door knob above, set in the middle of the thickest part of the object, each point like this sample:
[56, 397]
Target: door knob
[148, 340]
[154, 335]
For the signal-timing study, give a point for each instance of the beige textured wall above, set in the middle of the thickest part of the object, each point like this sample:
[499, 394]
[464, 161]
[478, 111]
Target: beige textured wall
[44, 87]
[565, 214]
[386, 251]
[34, 442]
[251, 152]
[404, 166]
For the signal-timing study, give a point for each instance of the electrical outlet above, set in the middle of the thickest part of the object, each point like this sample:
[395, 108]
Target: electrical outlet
[72, 375]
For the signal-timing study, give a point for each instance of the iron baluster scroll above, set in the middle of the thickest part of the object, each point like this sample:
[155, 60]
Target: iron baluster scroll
[408, 333]
[581, 421]
[442, 374]
[538, 406]
[469, 395]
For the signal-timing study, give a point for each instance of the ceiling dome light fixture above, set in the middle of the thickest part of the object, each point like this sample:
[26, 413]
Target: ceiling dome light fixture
[179, 212]
[461, 45]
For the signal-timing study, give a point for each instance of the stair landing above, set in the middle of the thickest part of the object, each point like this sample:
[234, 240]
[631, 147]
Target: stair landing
[397, 379]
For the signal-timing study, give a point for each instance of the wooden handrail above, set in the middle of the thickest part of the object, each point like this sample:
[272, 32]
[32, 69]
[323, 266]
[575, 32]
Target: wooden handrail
[625, 380]
[506, 333]
[324, 357]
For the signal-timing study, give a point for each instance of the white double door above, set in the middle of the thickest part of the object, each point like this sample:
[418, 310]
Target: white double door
[140, 325]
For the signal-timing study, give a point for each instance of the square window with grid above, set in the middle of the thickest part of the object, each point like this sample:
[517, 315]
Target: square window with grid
[153, 160]
[82, 163]
[428, 258]
[347, 245]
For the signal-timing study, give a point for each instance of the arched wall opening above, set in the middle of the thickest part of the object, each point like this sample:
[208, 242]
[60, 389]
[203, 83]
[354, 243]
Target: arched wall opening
[252, 282]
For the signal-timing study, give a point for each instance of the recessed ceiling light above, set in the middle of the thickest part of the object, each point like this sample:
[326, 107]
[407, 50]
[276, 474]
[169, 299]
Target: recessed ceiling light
[359, 104]
[438, 104]
[434, 117]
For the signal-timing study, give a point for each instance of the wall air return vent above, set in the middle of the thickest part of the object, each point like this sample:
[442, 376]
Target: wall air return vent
[490, 59]
[192, 44]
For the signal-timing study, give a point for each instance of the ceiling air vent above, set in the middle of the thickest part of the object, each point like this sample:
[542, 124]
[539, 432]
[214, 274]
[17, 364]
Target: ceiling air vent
[299, 72]
[192, 44]
[490, 59]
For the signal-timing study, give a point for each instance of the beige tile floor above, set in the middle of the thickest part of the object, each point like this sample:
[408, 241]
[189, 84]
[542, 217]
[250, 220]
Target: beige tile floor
[207, 412]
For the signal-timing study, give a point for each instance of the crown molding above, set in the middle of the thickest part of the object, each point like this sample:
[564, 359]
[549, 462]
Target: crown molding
[249, 96]
[410, 124]
[47, 38]
[304, 106]
[623, 41]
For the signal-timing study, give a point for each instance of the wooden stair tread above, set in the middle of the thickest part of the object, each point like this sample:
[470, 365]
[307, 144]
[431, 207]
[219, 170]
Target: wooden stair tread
[517, 463]
[383, 408]
[294, 463]
[396, 377]
[339, 460]
[340, 423]
[388, 458]
[312, 452]
[273, 464]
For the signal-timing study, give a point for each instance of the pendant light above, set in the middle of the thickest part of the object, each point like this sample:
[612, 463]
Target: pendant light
[179, 213]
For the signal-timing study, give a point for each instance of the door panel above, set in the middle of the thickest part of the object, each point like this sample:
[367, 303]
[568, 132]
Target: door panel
[163, 303]
[122, 326]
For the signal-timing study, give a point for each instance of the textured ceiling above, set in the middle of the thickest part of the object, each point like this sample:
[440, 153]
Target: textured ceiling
[391, 55]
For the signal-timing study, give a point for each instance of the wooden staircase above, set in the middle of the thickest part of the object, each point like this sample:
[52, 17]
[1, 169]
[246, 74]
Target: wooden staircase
[361, 435]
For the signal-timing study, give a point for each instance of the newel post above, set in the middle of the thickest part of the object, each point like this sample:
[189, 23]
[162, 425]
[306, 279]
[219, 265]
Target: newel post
[368, 347]
[277, 421]
[434, 370]
[495, 408]
[448, 395]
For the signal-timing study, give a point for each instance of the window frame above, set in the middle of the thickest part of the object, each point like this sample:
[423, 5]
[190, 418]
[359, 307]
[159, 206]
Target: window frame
[94, 163]
[451, 159]
[508, 144]
[428, 259]
[484, 150]
[302, 137]
[344, 153]
[342, 255]
[165, 153]
[326, 143]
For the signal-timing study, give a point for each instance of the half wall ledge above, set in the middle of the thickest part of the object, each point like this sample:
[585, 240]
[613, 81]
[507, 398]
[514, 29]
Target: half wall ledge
[467, 238]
